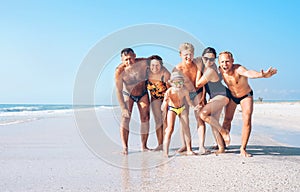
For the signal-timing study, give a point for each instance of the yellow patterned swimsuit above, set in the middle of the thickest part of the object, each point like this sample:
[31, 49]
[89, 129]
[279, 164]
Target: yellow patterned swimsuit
[157, 89]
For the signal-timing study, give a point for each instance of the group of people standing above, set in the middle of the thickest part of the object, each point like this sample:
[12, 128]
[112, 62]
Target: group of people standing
[172, 95]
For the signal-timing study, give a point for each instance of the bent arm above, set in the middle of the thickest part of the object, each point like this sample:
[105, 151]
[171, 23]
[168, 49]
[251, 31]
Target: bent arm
[165, 101]
[201, 80]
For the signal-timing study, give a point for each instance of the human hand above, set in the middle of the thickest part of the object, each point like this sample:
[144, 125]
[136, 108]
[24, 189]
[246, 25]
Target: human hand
[198, 107]
[125, 113]
[269, 72]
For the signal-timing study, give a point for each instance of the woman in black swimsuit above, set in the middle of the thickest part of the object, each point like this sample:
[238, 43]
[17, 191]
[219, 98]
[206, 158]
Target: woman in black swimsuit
[219, 97]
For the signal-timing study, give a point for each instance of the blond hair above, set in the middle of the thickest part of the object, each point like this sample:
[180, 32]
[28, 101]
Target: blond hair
[227, 53]
[186, 46]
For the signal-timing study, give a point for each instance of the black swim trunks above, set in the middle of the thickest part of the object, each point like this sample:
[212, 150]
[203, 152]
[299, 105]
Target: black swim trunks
[238, 100]
[194, 94]
[136, 98]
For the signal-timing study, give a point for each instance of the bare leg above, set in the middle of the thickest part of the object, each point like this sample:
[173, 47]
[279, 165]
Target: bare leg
[184, 119]
[218, 137]
[209, 113]
[124, 133]
[183, 147]
[124, 128]
[247, 109]
[201, 129]
[169, 130]
[158, 118]
[229, 113]
[144, 110]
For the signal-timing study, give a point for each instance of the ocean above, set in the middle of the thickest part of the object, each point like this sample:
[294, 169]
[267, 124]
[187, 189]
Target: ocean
[20, 113]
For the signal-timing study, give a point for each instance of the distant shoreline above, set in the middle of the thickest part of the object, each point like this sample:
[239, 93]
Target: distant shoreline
[276, 101]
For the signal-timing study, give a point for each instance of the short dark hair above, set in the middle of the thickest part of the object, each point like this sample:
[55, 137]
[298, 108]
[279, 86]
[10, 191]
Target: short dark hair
[156, 57]
[126, 51]
[209, 50]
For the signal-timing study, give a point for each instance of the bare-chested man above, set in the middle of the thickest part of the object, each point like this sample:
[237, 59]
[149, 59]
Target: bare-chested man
[236, 78]
[189, 69]
[130, 78]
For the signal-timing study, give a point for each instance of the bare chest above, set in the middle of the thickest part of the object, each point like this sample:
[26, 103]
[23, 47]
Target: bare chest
[133, 76]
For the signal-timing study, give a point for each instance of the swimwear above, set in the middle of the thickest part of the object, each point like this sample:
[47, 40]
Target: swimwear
[216, 88]
[177, 110]
[136, 98]
[157, 89]
[194, 94]
[238, 100]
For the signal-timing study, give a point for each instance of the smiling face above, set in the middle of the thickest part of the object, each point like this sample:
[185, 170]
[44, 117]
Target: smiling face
[226, 62]
[155, 66]
[187, 56]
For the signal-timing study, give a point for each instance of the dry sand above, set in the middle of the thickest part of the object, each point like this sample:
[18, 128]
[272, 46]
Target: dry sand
[51, 155]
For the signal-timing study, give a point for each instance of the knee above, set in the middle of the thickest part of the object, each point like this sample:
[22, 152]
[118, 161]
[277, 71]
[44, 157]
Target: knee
[204, 115]
[169, 131]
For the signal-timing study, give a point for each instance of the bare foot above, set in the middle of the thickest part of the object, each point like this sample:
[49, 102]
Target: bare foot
[203, 151]
[226, 137]
[166, 153]
[182, 149]
[159, 148]
[125, 151]
[190, 153]
[216, 147]
[220, 151]
[244, 153]
[145, 149]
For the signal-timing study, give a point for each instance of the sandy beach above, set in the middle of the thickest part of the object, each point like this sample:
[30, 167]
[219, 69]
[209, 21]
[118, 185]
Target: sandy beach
[54, 154]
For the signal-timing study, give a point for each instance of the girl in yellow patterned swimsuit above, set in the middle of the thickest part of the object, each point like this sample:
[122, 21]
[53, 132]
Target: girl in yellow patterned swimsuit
[157, 85]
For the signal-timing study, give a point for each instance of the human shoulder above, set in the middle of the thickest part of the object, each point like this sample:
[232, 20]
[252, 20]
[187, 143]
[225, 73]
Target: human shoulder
[236, 66]
[239, 69]
[141, 60]
[199, 63]
[166, 72]
[120, 68]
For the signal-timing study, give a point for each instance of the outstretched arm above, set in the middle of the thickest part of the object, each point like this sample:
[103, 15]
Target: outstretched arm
[255, 74]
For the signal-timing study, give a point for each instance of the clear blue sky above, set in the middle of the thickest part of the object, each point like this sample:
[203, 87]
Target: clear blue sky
[42, 43]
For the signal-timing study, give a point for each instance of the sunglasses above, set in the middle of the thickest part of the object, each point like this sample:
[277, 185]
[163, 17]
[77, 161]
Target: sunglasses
[210, 59]
[178, 82]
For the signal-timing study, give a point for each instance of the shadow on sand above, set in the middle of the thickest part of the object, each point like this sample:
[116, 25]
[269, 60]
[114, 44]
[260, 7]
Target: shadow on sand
[266, 150]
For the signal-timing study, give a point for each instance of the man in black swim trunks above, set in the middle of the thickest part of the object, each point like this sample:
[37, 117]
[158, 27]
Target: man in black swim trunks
[236, 78]
[130, 78]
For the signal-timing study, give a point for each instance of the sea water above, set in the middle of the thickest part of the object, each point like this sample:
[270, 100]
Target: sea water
[20, 113]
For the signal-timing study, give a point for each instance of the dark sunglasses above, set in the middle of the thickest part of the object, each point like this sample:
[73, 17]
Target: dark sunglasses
[210, 59]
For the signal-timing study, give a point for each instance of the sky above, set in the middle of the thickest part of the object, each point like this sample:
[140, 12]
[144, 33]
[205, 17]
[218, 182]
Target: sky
[43, 44]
